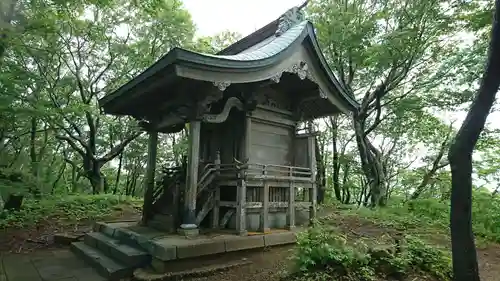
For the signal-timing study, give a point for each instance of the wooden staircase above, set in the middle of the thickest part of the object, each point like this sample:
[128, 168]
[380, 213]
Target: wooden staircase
[207, 186]
[167, 199]
[169, 195]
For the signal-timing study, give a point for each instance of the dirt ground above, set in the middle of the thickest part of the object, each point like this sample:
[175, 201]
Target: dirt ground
[267, 265]
[41, 236]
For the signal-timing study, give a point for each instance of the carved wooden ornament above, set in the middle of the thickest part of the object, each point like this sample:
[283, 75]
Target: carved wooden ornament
[301, 69]
[222, 85]
[221, 117]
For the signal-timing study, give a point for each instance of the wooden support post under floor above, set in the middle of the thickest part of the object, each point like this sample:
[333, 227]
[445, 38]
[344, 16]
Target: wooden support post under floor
[241, 214]
[264, 217]
[149, 182]
[189, 214]
[291, 204]
[216, 208]
[313, 193]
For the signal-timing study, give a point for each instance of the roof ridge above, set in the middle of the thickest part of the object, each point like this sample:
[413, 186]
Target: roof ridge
[291, 18]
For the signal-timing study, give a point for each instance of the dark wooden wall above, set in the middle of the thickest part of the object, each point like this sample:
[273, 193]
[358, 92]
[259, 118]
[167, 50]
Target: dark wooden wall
[272, 129]
[225, 137]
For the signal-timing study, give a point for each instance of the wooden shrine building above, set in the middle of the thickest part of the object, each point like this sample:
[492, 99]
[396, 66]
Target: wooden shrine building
[248, 168]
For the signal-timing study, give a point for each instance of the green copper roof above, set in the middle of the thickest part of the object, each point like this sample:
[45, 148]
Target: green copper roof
[274, 47]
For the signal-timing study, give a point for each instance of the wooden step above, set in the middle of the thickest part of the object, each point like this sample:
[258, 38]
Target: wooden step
[128, 255]
[106, 266]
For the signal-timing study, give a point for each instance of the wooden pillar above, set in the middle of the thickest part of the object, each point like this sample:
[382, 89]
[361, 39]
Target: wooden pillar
[149, 182]
[189, 216]
[264, 216]
[312, 164]
[247, 142]
[216, 209]
[291, 203]
[241, 216]
[241, 191]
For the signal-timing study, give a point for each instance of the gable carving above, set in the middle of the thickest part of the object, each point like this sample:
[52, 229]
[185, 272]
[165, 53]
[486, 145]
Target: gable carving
[301, 69]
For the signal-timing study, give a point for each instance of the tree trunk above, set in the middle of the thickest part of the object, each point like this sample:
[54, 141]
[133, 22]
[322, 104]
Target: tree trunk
[9, 14]
[59, 176]
[35, 171]
[118, 173]
[464, 254]
[96, 181]
[14, 202]
[436, 165]
[346, 192]
[336, 160]
[371, 164]
[321, 173]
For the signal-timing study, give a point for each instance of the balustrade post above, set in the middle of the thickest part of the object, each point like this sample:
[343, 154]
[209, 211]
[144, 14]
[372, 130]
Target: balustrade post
[241, 196]
[313, 193]
[291, 202]
[217, 162]
[264, 216]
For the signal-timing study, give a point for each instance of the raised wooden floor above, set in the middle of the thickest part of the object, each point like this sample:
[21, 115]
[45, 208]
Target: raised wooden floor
[116, 249]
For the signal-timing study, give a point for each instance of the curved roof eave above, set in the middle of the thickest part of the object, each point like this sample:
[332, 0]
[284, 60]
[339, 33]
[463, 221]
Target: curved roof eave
[263, 57]
[326, 68]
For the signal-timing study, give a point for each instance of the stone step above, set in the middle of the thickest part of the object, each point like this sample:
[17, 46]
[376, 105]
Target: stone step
[149, 274]
[106, 266]
[163, 223]
[123, 253]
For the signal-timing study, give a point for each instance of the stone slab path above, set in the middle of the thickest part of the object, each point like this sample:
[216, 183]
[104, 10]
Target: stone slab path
[49, 265]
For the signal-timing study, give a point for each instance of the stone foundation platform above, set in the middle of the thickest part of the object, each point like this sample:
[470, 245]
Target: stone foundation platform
[116, 249]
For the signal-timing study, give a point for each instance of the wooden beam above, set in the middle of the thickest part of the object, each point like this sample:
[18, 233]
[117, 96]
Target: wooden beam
[224, 114]
[229, 204]
[149, 183]
[254, 176]
[207, 207]
[247, 142]
[168, 121]
[259, 205]
[225, 219]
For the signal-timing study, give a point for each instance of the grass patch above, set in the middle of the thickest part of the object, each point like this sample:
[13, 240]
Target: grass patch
[324, 254]
[68, 209]
[433, 216]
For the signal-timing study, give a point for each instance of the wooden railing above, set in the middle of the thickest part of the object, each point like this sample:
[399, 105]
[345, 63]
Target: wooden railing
[170, 177]
[278, 170]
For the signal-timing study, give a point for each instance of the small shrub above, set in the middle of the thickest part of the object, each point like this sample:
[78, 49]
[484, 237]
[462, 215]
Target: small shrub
[320, 249]
[325, 255]
[429, 259]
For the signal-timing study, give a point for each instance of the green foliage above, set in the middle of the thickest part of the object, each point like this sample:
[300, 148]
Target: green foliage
[14, 182]
[324, 254]
[429, 213]
[320, 248]
[67, 209]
